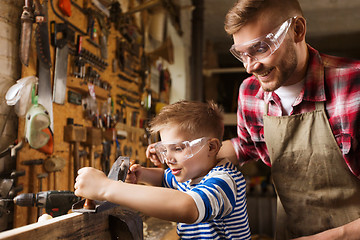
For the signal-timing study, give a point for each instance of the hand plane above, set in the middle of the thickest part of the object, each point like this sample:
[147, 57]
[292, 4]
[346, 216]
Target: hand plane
[117, 172]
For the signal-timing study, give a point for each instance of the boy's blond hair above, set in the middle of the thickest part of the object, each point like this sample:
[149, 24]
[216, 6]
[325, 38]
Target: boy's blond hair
[245, 10]
[194, 119]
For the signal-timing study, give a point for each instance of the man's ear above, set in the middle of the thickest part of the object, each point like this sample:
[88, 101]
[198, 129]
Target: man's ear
[214, 146]
[299, 29]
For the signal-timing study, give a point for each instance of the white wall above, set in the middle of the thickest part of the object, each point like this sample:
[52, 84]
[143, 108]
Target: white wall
[10, 68]
[180, 70]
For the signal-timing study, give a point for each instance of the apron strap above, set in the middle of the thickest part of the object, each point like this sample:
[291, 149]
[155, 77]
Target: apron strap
[319, 105]
[266, 108]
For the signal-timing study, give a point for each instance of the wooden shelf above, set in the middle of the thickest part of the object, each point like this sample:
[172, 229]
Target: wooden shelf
[230, 119]
[79, 85]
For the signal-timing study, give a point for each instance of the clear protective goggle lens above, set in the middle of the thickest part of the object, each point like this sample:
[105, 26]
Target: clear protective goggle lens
[180, 151]
[263, 46]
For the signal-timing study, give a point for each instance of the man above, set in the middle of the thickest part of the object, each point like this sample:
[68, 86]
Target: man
[299, 113]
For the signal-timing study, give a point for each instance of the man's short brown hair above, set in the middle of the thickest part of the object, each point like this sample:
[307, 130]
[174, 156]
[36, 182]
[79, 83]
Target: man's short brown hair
[245, 10]
[194, 119]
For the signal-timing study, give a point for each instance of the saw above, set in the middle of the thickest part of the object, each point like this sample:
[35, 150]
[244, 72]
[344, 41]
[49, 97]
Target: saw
[44, 58]
[61, 59]
[42, 33]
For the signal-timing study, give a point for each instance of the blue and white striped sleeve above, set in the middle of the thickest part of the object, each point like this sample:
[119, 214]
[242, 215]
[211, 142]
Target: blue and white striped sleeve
[169, 180]
[215, 197]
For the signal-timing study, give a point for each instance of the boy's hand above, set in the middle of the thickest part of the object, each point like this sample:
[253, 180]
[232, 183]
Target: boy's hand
[151, 154]
[134, 173]
[91, 183]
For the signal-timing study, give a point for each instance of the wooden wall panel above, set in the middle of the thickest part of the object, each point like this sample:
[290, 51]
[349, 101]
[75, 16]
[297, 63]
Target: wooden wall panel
[63, 180]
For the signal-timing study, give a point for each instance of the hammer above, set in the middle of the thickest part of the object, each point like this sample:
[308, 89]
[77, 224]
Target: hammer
[32, 163]
[54, 164]
[75, 134]
[93, 138]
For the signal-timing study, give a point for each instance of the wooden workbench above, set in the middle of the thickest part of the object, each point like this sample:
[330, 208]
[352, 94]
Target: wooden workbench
[90, 226]
[82, 226]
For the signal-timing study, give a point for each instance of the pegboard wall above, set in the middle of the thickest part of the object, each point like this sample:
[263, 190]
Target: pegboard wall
[112, 73]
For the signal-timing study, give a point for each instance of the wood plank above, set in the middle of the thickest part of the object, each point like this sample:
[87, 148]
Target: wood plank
[82, 226]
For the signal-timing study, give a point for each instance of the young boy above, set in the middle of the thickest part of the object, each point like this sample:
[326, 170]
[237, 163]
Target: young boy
[205, 195]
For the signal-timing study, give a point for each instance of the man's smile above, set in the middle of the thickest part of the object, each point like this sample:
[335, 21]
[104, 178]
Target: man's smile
[264, 74]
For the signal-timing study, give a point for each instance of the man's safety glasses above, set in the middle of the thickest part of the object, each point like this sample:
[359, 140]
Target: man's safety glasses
[179, 151]
[263, 46]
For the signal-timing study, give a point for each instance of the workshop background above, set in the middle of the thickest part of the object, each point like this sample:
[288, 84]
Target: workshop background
[103, 68]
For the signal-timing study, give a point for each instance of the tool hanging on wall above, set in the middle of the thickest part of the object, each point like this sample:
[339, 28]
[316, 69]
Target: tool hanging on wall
[53, 165]
[75, 135]
[37, 120]
[19, 95]
[105, 156]
[30, 172]
[44, 58]
[42, 33]
[79, 63]
[40, 178]
[65, 7]
[8, 190]
[12, 150]
[93, 139]
[83, 56]
[66, 21]
[7, 184]
[61, 59]
[101, 7]
[27, 20]
[104, 31]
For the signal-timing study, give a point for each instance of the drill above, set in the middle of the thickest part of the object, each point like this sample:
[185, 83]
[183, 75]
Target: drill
[55, 202]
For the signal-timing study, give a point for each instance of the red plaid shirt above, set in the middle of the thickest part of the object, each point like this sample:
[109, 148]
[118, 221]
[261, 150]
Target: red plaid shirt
[331, 79]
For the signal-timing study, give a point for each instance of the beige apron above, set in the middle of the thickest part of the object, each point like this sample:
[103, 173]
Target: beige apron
[316, 190]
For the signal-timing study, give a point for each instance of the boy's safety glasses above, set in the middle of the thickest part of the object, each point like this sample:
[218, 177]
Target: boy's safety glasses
[179, 151]
[263, 46]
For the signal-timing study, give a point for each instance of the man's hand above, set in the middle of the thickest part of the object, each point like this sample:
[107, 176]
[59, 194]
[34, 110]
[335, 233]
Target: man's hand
[350, 231]
[151, 154]
[227, 151]
[327, 235]
[91, 183]
[134, 174]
